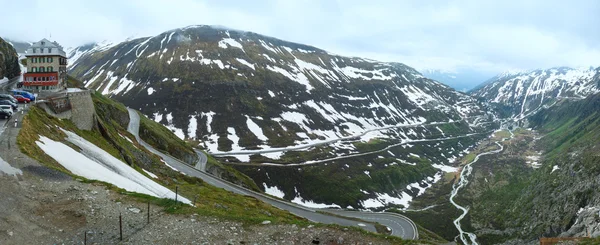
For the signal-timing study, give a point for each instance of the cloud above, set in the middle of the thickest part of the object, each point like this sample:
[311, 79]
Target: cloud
[435, 34]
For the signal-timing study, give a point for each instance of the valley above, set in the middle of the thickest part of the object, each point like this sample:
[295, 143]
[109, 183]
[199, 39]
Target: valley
[266, 103]
[210, 134]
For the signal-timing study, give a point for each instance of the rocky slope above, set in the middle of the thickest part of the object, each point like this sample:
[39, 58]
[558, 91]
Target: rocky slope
[239, 92]
[544, 183]
[9, 60]
[524, 92]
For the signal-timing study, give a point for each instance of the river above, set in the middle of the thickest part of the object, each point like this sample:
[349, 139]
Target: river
[468, 237]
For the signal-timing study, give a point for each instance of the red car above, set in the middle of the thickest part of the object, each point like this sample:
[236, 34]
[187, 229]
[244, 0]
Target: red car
[21, 99]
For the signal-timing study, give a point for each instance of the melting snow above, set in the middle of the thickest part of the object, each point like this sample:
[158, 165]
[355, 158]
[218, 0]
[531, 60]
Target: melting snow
[7, 169]
[445, 168]
[192, 127]
[246, 63]
[233, 43]
[256, 130]
[104, 167]
[150, 173]
[273, 191]
[384, 199]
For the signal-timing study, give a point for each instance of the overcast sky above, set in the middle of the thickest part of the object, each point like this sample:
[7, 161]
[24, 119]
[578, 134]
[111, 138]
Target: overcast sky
[448, 35]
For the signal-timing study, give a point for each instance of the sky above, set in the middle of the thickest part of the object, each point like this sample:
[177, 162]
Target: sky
[486, 36]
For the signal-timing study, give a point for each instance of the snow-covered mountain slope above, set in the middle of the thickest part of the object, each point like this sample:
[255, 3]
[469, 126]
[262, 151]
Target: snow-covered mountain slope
[526, 91]
[257, 96]
[214, 84]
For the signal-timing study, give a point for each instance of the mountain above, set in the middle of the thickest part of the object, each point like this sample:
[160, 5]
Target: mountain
[462, 79]
[20, 47]
[545, 182]
[9, 60]
[293, 117]
[526, 91]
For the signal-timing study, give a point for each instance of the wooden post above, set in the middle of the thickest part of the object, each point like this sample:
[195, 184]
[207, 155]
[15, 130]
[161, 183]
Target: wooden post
[195, 197]
[148, 212]
[120, 227]
[176, 189]
[85, 238]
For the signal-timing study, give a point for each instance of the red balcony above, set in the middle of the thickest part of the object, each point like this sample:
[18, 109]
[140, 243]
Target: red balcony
[40, 78]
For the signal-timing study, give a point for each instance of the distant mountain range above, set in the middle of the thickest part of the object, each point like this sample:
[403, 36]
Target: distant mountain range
[525, 92]
[461, 79]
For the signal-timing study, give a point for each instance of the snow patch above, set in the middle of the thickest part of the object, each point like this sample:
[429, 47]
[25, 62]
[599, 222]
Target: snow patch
[103, 167]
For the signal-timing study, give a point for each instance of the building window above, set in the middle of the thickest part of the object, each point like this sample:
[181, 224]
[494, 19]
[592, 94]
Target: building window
[34, 69]
[49, 59]
[49, 68]
[42, 69]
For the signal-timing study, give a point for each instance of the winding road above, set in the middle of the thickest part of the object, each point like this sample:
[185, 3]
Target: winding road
[329, 141]
[400, 225]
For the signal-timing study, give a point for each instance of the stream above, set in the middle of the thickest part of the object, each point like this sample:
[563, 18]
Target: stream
[467, 237]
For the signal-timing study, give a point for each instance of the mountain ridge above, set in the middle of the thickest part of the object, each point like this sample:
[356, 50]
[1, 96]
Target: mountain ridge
[236, 91]
[525, 92]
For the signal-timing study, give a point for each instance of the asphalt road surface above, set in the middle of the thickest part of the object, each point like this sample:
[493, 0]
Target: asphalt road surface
[400, 226]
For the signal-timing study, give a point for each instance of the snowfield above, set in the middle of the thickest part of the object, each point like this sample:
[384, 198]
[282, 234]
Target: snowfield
[94, 163]
[7, 169]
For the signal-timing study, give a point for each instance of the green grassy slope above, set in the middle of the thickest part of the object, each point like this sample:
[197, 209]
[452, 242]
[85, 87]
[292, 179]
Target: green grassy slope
[111, 136]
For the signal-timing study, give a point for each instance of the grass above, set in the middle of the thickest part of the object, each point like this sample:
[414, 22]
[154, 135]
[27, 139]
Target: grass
[163, 139]
[502, 134]
[73, 82]
[209, 200]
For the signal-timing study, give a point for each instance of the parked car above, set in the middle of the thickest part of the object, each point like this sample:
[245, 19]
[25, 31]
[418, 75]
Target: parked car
[21, 99]
[10, 103]
[25, 94]
[6, 111]
[8, 97]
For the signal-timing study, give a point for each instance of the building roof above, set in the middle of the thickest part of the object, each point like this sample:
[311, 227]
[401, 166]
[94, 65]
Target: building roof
[45, 47]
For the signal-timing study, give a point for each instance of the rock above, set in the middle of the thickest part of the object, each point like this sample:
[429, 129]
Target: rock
[310, 226]
[134, 210]
[266, 222]
[232, 228]
[10, 233]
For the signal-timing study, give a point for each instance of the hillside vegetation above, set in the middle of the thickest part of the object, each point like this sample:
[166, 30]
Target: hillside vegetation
[512, 199]
[111, 135]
